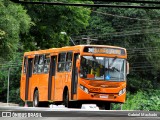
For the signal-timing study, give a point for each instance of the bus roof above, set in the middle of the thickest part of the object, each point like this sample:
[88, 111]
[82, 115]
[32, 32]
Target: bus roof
[68, 48]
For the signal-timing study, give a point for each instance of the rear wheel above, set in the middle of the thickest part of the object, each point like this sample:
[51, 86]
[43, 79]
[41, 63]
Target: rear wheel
[36, 99]
[66, 99]
[36, 102]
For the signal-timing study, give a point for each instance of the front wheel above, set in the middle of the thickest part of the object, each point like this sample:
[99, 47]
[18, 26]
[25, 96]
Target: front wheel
[107, 106]
[104, 106]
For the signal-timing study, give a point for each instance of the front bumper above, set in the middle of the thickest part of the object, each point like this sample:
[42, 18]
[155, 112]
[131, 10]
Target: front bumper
[108, 97]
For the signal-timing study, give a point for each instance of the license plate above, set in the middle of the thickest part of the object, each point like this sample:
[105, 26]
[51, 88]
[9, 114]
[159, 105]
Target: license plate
[103, 96]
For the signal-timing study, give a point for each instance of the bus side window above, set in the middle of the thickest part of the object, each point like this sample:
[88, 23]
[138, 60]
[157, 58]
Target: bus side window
[35, 69]
[25, 65]
[61, 62]
[46, 63]
[40, 63]
[69, 61]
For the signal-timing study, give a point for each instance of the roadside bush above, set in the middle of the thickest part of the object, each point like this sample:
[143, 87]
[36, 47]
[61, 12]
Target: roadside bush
[143, 100]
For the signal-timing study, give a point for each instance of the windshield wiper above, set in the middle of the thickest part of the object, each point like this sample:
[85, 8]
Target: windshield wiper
[114, 68]
[112, 62]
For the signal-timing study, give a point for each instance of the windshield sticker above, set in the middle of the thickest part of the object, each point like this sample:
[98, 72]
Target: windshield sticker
[108, 77]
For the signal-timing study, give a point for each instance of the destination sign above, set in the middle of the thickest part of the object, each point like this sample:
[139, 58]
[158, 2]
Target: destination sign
[102, 50]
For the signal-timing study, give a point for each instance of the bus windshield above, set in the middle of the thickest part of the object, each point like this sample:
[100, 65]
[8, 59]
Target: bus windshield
[103, 68]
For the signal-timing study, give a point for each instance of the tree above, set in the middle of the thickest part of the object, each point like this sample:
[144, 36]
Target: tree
[135, 29]
[13, 21]
[50, 21]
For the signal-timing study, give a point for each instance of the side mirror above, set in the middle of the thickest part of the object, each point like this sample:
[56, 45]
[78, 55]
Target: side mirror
[127, 67]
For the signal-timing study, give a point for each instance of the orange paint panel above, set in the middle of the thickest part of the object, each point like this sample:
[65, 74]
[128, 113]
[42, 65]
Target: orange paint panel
[43, 87]
[43, 93]
[22, 87]
[59, 86]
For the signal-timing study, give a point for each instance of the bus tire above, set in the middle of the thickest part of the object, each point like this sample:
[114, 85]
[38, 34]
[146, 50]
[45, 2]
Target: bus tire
[107, 106]
[66, 99]
[79, 105]
[36, 99]
[104, 106]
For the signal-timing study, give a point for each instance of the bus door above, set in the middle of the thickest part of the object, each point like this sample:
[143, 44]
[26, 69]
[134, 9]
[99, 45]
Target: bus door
[60, 76]
[28, 75]
[51, 80]
[74, 77]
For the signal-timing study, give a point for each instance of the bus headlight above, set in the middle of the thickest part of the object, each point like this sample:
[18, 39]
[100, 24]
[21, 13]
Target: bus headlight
[122, 91]
[84, 89]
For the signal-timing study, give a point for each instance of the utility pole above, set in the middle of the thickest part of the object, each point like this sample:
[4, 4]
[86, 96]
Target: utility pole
[88, 41]
[8, 86]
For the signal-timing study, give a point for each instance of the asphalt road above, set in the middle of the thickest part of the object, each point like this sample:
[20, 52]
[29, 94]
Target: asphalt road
[30, 113]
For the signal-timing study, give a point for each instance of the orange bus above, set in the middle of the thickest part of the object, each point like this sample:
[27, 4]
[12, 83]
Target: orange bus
[75, 75]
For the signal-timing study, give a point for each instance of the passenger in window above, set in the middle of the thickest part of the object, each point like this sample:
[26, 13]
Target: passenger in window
[68, 66]
[59, 66]
[90, 67]
[41, 60]
[84, 69]
[40, 68]
[35, 68]
[46, 66]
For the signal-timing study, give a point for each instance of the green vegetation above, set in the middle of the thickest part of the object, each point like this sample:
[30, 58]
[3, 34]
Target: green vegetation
[13, 21]
[143, 100]
[32, 27]
[50, 21]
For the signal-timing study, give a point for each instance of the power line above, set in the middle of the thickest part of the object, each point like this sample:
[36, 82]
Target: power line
[131, 30]
[128, 33]
[127, 1]
[149, 28]
[86, 5]
[133, 1]
[125, 17]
